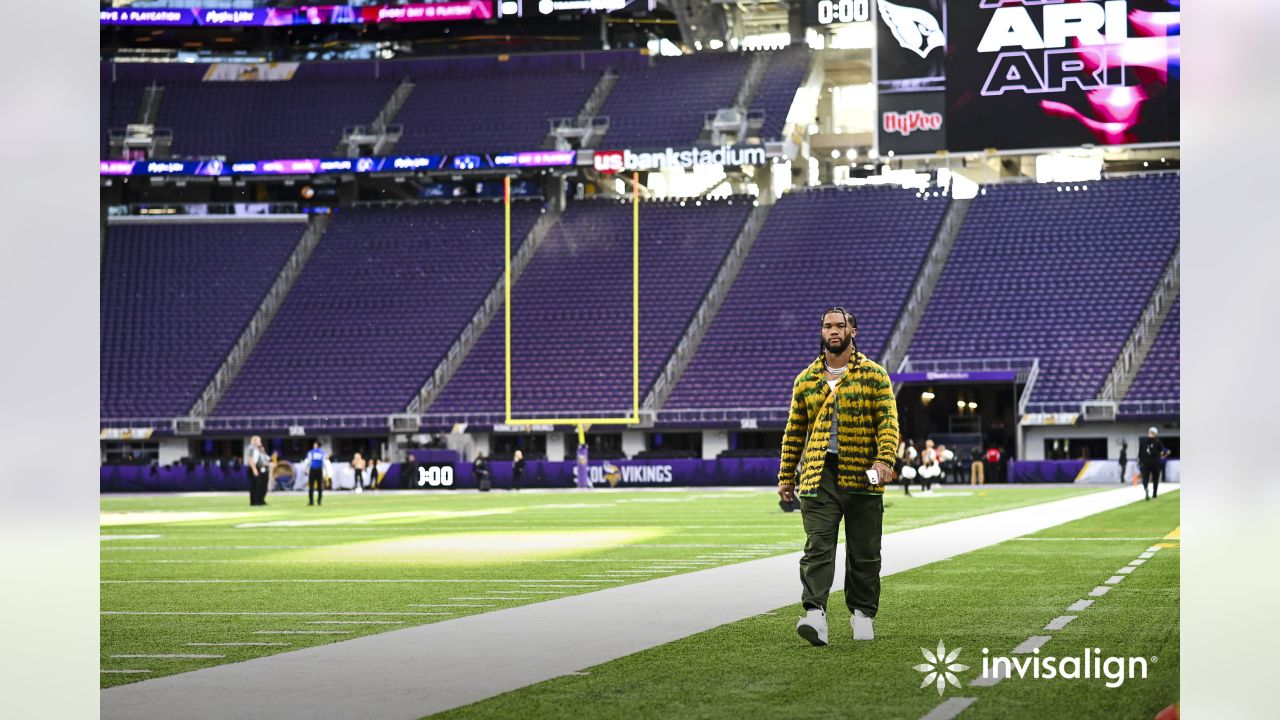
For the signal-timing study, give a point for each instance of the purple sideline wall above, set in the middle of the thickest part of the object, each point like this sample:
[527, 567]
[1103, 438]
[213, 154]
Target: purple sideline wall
[538, 474]
[1044, 471]
[760, 472]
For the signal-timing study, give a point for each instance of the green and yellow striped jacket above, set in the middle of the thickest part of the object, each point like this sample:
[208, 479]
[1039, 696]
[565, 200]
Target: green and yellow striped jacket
[868, 431]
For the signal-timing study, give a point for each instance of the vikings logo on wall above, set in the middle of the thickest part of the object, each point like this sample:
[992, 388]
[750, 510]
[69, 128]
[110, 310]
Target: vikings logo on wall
[1048, 73]
[612, 474]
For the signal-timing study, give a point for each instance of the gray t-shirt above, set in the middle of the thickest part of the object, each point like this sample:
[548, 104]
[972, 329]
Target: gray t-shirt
[833, 446]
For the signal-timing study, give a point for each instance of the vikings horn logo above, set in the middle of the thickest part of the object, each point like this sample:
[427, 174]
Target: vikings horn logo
[915, 29]
[613, 474]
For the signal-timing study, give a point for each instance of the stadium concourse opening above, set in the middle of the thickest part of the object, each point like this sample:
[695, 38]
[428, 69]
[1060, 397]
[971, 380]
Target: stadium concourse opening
[960, 414]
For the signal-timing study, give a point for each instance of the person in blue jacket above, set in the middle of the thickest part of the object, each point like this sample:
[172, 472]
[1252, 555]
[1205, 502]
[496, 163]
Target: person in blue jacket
[315, 473]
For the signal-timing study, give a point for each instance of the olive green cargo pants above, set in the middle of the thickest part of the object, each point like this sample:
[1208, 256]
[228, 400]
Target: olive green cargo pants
[863, 516]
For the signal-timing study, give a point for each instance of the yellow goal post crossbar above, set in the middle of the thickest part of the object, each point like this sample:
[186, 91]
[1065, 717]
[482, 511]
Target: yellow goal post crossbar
[635, 318]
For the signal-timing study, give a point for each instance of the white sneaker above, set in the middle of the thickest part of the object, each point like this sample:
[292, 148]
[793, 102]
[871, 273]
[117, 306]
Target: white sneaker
[862, 627]
[813, 627]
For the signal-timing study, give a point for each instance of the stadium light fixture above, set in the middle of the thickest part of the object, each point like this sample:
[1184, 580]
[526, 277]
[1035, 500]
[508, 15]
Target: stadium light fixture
[973, 406]
[927, 396]
[960, 404]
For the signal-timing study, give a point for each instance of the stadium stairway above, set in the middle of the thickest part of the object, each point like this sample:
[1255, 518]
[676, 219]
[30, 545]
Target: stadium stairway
[757, 67]
[587, 115]
[257, 326]
[1134, 354]
[381, 133]
[701, 320]
[484, 315]
[926, 281]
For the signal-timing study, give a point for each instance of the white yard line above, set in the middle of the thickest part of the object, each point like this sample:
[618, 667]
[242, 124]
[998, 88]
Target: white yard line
[240, 644]
[1032, 643]
[319, 581]
[949, 708]
[1060, 622]
[266, 613]
[167, 656]
[485, 654]
[354, 622]
[303, 632]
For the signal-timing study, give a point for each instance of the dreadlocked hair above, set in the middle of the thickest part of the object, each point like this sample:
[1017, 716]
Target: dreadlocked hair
[853, 322]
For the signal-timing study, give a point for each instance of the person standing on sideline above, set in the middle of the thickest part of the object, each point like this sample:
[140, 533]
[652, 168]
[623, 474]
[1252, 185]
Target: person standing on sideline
[480, 469]
[993, 463]
[357, 465]
[1150, 452]
[841, 440]
[315, 472]
[976, 475]
[517, 469]
[929, 468]
[259, 467]
[1124, 459]
[906, 467]
[374, 479]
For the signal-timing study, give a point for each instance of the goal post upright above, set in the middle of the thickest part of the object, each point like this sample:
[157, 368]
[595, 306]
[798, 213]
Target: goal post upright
[634, 418]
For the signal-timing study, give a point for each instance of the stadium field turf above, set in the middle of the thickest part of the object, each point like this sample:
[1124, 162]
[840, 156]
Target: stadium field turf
[191, 581]
[996, 598]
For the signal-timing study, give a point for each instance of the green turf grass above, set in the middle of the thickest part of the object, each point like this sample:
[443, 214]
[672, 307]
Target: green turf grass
[994, 597]
[586, 541]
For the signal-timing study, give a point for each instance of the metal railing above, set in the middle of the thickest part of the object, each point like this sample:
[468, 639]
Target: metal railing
[926, 280]
[394, 103]
[711, 302]
[1152, 408]
[598, 95]
[262, 318]
[483, 315]
[751, 80]
[1135, 349]
[202, 209]
[1027, 371]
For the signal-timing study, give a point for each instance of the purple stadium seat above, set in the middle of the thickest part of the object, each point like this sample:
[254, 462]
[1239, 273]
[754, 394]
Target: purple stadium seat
[786, 70]
[174, 300]
[858, 248]
[382, 298]
[571, 310]
[1040, 271]
[665, 104]
[1160, 377]
[473, 111]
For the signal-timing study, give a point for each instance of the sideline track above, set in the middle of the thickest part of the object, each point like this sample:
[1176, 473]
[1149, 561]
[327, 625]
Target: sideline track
[476, 657]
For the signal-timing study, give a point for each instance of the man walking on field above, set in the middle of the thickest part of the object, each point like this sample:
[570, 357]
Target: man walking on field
[841, 440]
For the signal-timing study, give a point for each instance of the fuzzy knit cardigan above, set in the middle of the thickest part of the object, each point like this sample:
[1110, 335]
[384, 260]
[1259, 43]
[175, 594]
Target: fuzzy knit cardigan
[867, 434]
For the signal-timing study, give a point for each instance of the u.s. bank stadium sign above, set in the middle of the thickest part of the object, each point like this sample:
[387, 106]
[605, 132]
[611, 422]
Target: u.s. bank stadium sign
[612, 161]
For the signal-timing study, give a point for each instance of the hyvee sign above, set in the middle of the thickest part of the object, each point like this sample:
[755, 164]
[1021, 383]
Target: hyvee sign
[612, 161]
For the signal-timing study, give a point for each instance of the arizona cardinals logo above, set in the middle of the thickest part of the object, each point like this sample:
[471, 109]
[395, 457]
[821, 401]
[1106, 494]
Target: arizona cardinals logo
[915, 29]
